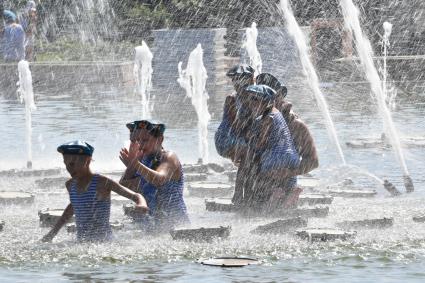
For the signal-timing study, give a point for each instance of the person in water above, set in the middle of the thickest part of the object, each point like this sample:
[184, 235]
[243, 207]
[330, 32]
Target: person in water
[270, 151]
[90, 195]
[301, 136]
[230, 137]
[13, 45]
[156, 173]
[138, 184]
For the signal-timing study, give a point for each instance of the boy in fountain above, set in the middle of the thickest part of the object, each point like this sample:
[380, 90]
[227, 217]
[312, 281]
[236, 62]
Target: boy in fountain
[90, 196]
[303, 140]
[230, 138]
[156, 172]
[271, 152]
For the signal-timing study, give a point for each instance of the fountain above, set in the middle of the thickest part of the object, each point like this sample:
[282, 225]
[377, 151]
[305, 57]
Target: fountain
[298, 36]
[193, 79]
[364, 50]
[390, 91]
[250, 45]
[143, 75]
[26, 95]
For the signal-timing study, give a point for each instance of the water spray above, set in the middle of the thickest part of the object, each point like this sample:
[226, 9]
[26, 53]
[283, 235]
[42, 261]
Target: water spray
[299, 38]
[250, 44]
[193, 79]
[143, 75]
[26, 95]
[365, 52]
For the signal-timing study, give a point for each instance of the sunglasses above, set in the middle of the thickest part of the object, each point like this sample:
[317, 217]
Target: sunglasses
[155, 130]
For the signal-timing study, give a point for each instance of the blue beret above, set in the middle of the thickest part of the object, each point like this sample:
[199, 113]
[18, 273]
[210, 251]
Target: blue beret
[9, 16]
[271, 81]
[262, 92]
[76, 147]
[154, 128]
[240, 70]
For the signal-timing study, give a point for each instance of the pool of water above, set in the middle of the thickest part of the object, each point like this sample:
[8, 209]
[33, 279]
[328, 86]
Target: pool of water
[98, 114]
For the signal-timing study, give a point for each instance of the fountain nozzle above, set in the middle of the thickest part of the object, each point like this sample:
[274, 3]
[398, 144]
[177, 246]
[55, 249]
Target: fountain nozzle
[391, 188]
[408, 184]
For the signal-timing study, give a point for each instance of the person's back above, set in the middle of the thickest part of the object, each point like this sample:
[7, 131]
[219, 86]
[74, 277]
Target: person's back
[13, 39]
[272, 150]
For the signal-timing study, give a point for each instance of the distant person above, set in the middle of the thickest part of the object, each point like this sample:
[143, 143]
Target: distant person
[230, 138]
[270, 155]
[90, 196]
[13, 39]
[28, 21]
[153, 168]
[301, 136]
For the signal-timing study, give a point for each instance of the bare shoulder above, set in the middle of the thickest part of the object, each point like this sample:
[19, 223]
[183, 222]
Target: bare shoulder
[171, 159]
[104, 181]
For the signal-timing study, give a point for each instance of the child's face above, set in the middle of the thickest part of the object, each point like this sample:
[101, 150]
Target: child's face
[148, 143]
[76, 164]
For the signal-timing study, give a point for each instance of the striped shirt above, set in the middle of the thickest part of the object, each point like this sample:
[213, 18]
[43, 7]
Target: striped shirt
[169, 206]
[278, 152]
[91, 215]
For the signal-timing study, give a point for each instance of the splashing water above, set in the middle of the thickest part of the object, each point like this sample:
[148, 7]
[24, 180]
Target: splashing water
[193, 79]
[143, 75]
[296, 32]
[250, 45]
[390, 91]
[26, 95]
[364, 49]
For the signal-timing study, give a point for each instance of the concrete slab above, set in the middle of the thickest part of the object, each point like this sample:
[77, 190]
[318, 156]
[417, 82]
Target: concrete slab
[195, 168]
[30, 172]
[281, 226]
[313, 199]
[219, 204]
[201, 234]
[352, 193]
[195, 177]
[308, 182]
[419, 218]
[209, 189]
[324, 234]
[367, 223]
[7, 198]
[49, 217]
[52, 182]
[314, 212]
[116, 226]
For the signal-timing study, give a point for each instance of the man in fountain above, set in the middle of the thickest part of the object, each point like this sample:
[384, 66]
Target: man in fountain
[90, 196]
[270, 153]
[230, 138]
[156, 173]
[13, 38]
[301, 136]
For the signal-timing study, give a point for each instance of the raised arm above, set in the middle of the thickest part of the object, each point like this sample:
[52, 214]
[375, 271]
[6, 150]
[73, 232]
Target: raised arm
[168, 170]
[111, 185]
